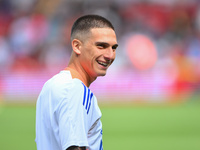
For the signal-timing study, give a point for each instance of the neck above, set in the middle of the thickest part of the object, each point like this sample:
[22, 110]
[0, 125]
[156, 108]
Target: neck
[79, 75]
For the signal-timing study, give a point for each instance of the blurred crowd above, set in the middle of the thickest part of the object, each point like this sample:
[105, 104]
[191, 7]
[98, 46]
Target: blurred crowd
[35, 34]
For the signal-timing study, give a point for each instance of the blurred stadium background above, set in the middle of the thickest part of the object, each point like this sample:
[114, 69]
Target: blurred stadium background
[35, 45]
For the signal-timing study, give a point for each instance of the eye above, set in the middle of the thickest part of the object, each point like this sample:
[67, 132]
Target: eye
[101, 46]
[114, 47]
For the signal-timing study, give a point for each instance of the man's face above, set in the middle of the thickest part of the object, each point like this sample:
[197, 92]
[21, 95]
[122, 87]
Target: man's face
[98, 51]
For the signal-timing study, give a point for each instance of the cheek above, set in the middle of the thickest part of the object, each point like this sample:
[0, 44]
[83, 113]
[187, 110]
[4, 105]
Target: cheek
[95, 53]
[91, 58]
[92, 53]
[114, 54]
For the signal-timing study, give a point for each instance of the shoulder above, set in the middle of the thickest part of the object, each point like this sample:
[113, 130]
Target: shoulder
[61, 85]
[64, 87]
[77, 89]
[60, 81]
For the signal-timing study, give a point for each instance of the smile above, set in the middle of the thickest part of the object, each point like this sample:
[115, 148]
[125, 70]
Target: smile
[103, 63]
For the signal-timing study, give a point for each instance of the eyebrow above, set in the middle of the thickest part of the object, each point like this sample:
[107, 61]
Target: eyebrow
[106, 44]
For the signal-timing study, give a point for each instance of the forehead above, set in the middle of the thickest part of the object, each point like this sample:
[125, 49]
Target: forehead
[103, 35]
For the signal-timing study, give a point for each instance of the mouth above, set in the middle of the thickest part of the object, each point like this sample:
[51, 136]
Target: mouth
[104, 64]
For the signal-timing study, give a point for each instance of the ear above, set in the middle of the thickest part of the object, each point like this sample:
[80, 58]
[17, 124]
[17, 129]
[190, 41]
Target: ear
[76, 46]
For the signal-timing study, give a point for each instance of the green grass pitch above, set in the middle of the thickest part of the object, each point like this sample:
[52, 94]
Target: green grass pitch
[133, 127]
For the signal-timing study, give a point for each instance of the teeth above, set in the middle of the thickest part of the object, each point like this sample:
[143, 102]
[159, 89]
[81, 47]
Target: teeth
[102, 63]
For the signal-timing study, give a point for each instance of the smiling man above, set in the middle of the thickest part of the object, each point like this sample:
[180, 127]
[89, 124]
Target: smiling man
[67, 113]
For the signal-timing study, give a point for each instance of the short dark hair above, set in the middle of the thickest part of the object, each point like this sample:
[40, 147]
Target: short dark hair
[83, 25]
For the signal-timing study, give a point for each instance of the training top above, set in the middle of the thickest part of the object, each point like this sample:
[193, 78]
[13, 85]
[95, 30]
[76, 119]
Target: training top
[67, 114]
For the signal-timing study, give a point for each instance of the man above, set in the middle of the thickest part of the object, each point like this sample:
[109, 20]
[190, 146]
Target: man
[67, 113]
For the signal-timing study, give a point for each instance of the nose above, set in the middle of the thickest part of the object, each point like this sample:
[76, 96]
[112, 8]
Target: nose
[109, 54]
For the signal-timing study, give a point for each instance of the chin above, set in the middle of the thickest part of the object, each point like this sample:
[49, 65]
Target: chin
[102, 73]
